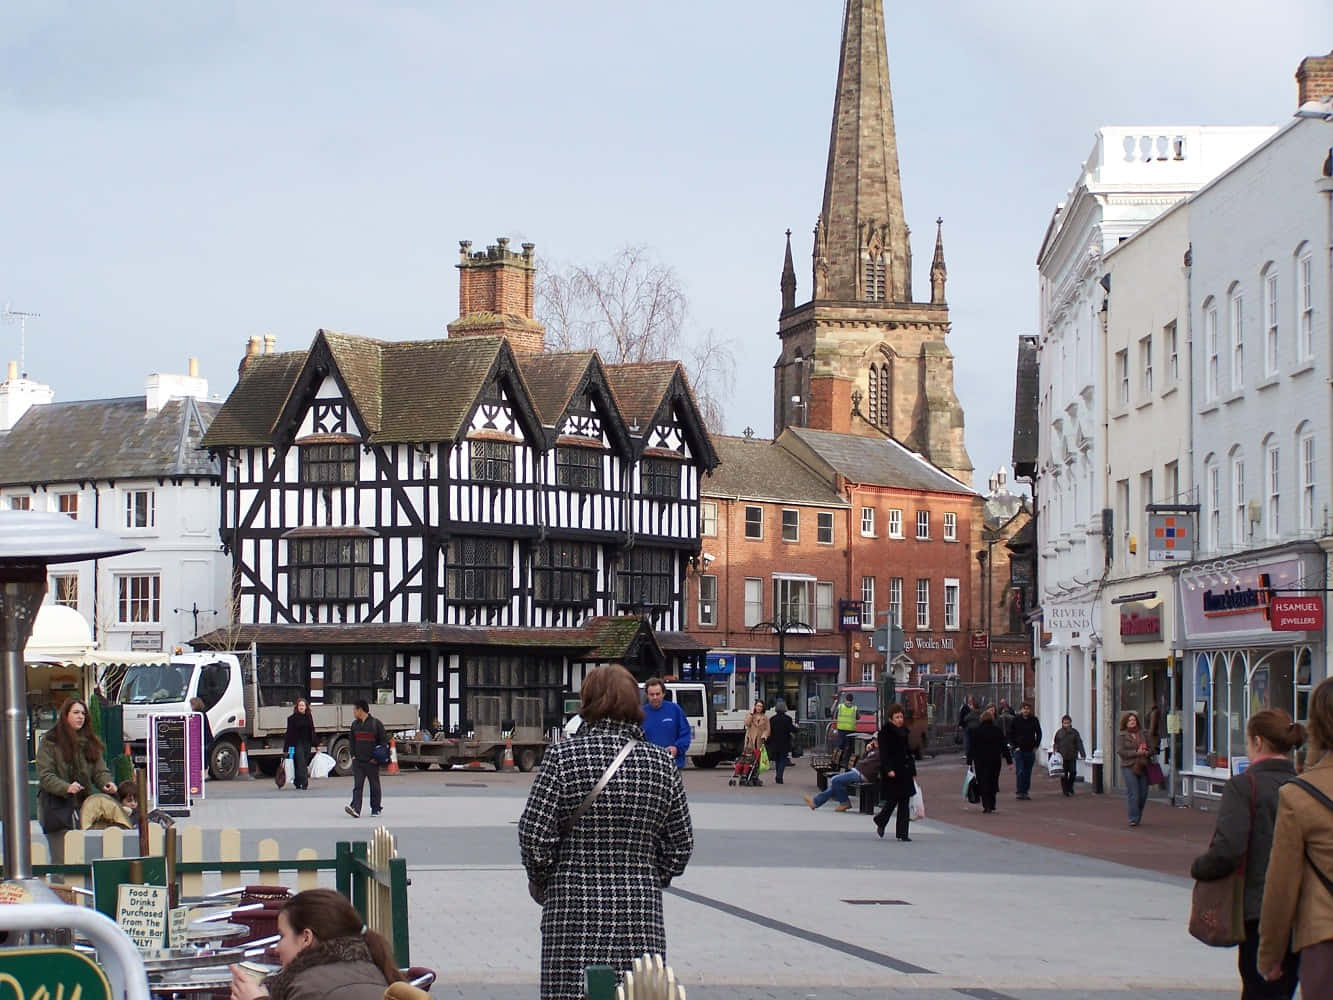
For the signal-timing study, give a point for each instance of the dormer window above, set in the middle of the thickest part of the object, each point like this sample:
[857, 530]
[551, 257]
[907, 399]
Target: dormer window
[660, 478]
[492, 461]
[328, 464]
[578, 468]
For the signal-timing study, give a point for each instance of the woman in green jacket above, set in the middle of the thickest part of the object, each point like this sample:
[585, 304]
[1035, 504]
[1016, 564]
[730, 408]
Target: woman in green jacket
[70, 764]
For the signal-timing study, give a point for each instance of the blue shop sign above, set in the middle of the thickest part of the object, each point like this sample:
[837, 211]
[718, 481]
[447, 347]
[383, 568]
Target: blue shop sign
[720, 664]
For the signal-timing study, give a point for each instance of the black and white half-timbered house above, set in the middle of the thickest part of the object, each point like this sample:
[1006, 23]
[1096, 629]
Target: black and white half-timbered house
[450, 520]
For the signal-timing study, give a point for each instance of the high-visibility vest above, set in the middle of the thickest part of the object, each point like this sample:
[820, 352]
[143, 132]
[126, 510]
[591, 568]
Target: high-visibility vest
[847, 717]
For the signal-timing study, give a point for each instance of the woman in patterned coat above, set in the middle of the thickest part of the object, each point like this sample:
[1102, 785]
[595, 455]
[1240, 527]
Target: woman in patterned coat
[602, 880]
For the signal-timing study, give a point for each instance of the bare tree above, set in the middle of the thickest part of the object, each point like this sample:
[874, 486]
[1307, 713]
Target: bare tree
[632, 308]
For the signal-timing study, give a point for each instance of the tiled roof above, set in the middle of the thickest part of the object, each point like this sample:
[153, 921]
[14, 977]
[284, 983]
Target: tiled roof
[640, 388]
[1026, 393]
[757, 469]
[873, 461]
[552, 379]
[248, 415]
[107, 439]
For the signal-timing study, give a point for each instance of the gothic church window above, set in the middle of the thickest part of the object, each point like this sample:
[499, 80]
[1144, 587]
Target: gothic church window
[874, 278]
[879, 397]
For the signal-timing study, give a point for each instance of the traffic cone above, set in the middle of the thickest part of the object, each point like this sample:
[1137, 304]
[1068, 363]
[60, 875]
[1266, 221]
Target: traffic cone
[508, 763]
[245, 762]
[393, 756]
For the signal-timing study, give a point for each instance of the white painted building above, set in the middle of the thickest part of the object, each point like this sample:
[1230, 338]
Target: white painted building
[131, 466]
[1260, 304]
[1131, 176]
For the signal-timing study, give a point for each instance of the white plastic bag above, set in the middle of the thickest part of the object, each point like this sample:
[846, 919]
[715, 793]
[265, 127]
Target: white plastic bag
[289, 768]
[321, 766]
[1054, 763]
[917, 807]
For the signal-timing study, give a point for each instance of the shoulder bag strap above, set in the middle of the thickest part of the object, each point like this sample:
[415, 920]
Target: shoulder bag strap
[607, 775]
[1319, 796]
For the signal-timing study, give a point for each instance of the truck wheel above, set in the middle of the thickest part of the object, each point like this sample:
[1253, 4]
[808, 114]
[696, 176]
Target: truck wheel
[704, 761]
[526, 759]
[499, 760]
[341, 751]
[224, 760]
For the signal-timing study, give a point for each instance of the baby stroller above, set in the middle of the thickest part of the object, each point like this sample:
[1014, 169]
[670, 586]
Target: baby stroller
[746, 771]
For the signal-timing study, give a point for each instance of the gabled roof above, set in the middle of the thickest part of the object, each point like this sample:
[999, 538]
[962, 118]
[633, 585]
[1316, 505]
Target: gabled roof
[757, 469]
[870, 461]
[647, 391]
[107, 439]
[252, 408]
[556, 381]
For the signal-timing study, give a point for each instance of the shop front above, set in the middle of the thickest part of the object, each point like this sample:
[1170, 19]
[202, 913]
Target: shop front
[1240, 657]
[741, 678]
[1138, 648]
[1067, 668]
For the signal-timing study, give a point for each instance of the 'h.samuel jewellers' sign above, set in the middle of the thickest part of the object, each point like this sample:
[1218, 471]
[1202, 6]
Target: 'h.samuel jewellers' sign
[1230, 597]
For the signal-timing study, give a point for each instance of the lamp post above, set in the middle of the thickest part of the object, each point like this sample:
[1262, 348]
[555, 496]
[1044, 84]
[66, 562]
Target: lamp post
[780, 627]
[29, 542]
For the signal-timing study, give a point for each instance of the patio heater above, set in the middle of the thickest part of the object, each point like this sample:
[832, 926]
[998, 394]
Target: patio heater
[30, 541]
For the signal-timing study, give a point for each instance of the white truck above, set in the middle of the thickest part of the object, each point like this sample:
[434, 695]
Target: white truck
[715, 735]
[234, 703]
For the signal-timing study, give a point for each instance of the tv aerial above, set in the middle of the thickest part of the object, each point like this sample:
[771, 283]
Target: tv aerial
[15, 316]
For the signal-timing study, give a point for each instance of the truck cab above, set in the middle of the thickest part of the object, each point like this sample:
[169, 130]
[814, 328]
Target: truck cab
[866, 697]
[167, 688]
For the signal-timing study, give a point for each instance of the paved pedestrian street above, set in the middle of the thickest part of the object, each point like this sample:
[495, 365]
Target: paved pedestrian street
[787, 903]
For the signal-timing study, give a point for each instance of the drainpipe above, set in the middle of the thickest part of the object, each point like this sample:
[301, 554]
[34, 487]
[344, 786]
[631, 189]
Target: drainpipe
[1178, 665]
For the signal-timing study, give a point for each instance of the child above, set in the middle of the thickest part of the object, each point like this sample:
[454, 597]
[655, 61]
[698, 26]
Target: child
[128, 794]
[1069, 745]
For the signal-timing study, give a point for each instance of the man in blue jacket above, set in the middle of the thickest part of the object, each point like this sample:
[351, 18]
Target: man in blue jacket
[664, 722]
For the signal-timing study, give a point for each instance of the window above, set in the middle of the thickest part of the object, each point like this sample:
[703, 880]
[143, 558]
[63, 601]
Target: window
[950, 526]
[923, 524]
[646, 578]
[1307, 482]
[707, 600]
[1122, 514]
[492, 461]
[951, 590]
[824, 607]
[1270, 322]
[923, 604]
[1237, 341]
[1122, 377]
[1145, 366]
[68, 504]
[754, 602]
[213, 681]
[895, 523]
[825, 527]
[1172, 352]
[336, 568]
[874, 268]
[708, 518]
[564, 572]
[1274, 490]
[1210, 352]
[20, 503]
[1172, 481]
[1240, 526]
[868, 522]
[140, 509]
[65, 589]
[140, 598]
[1145, 498]
[660, 478]
[896, 601]
[793, 600]
[578, 468]
[754, 522]
[350, 677]
[327, 463]
[283, 677]
[868, 601]
[1214, 479]
[478, 570]
[1305, 305]
[791, 525]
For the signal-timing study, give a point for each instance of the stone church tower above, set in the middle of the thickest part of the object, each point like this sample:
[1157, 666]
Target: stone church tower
[862, 356]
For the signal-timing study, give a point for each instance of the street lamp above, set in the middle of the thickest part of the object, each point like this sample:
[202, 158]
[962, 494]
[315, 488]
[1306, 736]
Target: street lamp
[780, 627]
[29, 542]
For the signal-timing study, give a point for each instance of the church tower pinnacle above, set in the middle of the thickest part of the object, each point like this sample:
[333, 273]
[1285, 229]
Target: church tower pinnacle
[862, 356]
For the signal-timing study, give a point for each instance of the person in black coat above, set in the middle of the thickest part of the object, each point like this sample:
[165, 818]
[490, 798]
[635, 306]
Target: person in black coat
[781, 733]
[988, 749]
[300, 740]
[897, 773]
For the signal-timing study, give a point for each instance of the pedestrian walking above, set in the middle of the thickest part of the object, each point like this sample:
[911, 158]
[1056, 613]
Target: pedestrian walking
[1004, 718]
[1297, 911]
[1069, 745]
[781, 739]
[988, 750]
[1024, 736]
[367, 734]
[865, 768]
[1244, 836]
[71, 766]
[664, 722]
[598, 862]
[1134, 754]
[897, 769]
[299, 741]
[968, 720]
[325, 950]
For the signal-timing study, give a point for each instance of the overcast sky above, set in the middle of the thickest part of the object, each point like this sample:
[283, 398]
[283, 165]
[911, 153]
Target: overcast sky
[176, 177]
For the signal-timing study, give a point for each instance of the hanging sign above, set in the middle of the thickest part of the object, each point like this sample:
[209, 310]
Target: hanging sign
[1296, 614]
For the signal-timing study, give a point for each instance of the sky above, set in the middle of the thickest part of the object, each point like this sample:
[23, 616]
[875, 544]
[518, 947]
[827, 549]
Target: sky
[175, 178]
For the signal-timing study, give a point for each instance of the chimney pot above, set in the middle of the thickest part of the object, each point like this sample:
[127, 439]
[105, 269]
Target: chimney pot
[252, 348]
[270, 343]
[13, 371]
[193, 367]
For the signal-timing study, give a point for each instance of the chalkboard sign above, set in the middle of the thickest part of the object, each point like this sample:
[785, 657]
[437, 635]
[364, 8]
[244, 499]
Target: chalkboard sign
[168, 768]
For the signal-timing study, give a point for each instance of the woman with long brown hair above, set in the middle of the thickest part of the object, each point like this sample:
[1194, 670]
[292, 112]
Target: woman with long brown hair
[325, 951]
[1134, 753]
[71, 765]
[1244, 835]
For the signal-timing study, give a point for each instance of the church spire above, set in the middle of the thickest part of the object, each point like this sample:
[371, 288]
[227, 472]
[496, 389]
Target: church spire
[868, 255]
[788, 279]
[938, 272]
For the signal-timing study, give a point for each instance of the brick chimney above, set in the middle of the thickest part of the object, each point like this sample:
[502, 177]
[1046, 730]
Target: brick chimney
[1314, 79]
[495, 296]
